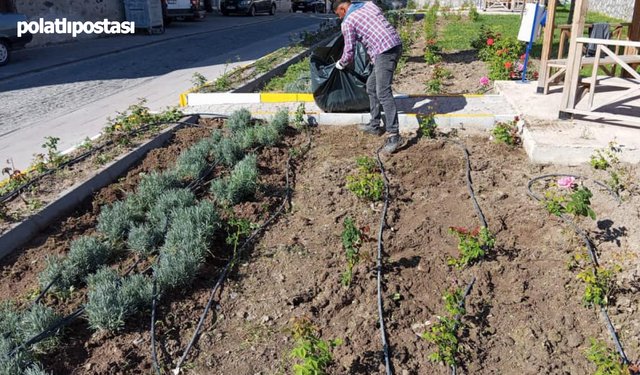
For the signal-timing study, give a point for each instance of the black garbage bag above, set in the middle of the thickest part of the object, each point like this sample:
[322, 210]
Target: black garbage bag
[340, 90]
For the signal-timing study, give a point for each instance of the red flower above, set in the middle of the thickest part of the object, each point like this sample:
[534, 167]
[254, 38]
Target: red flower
[507, 65]
[431, 41]
[524, 56]
[535, 75]
[517, 118]
[512, 74]
[490, 42]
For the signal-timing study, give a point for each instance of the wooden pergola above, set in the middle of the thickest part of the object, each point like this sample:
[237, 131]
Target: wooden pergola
[570, 67]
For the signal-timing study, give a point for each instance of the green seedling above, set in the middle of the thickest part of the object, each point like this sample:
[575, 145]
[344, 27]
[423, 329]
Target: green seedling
[600, 284]
[473, 245]
[444, 333]
[367, 182]
[313, 354]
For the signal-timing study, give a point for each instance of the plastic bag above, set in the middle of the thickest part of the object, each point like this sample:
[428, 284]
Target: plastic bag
[340, 90]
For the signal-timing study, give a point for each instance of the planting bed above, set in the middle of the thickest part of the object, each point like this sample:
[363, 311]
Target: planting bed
[524, 312]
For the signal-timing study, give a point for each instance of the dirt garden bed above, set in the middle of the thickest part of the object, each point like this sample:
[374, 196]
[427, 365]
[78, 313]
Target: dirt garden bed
[524, 313]
[54, 173]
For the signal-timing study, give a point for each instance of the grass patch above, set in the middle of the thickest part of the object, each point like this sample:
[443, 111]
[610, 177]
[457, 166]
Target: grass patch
[289, 77]
[458, 35]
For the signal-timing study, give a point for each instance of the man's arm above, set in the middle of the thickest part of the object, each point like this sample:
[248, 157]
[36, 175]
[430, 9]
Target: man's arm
[349, 33]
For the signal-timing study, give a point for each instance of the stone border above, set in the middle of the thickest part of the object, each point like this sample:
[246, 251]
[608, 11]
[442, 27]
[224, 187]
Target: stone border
[68, 200]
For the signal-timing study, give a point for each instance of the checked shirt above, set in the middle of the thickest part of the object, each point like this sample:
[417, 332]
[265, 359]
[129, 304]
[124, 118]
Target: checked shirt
[369, 26]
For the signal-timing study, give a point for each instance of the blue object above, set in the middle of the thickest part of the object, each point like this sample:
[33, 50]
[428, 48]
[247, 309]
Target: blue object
[533, 33]
[354, 6]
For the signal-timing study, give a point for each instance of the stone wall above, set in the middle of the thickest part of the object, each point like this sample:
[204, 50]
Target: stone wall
[622, 9]
[72, 10]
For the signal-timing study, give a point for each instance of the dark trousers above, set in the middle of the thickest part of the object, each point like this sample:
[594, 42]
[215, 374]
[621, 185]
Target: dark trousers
[379, 90]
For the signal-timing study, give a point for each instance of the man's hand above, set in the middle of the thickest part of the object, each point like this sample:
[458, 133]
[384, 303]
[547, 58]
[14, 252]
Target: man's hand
[339, 65]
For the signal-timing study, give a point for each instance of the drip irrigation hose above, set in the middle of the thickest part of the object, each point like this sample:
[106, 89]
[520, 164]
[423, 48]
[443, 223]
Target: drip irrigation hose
[61, 324]
[385, 345]
[14, 193]
[457, 317]
[592, 254]
[153, 323]
[223, 275]
[484, 224]
[473, 196]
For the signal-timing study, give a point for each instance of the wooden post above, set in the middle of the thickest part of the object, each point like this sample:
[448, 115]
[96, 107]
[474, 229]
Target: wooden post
[572, 74]
[547, 43]
[634, 29]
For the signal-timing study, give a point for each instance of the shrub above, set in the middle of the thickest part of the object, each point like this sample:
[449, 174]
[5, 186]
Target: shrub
[507, 132]
[15, 364]
[228, 151]
[240, 184]
[144, 238]
[167, 202]
[151, 186]
[36, 370]
[444, 333]
[472, 245]
[8, 318]
[607, 360]
[280, 120]
[239, 120]
[314, 353]
[87, 254]
[194, 160]
[247, 138]
[35, 320]
[186, 243]
[367, 183]
[267, 135]
[111, 300]
[114, 221]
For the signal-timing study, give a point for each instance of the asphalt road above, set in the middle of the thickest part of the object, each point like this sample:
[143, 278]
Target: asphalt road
[72, 101]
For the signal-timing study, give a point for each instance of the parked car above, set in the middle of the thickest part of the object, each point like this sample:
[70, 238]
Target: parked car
[248, 7]
[9, 40]
[181, 10]
[315, 6]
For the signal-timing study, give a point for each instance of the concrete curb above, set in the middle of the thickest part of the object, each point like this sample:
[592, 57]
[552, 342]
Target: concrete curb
[191, 98]
[409, 122]
[27, 229]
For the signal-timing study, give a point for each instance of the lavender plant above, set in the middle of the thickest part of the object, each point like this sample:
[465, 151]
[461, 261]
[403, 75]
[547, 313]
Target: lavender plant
[144, 238]
[239, 120]
[112, 299]
[35, 320]
[86, 255]
[228, 151]
[114, 221]
[240, 184]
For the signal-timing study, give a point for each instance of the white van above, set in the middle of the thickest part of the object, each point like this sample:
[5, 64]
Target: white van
[181, 10]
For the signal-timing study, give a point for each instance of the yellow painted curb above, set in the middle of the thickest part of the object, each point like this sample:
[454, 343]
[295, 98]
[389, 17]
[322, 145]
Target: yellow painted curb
[269, 97]
[183, 96]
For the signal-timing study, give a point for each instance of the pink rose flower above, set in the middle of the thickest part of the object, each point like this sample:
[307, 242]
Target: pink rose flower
[566, 182]
[520, 67]
[484, 81]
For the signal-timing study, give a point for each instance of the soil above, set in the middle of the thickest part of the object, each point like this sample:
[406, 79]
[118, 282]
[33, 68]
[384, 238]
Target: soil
[524, 312]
